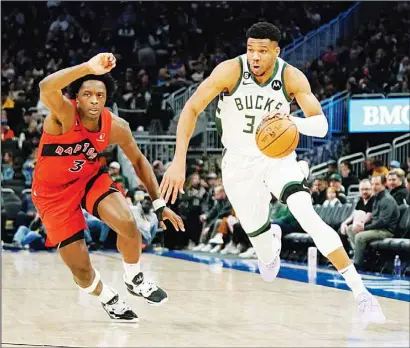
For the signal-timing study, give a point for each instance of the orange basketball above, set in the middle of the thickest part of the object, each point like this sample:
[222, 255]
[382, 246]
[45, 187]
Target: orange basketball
[277, 138]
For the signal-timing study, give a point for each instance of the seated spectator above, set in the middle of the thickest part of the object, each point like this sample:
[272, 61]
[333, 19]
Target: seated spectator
[7, 167]
[348, 178]
[368, 169]
[33, 236]
[382, 224]
[212, 219]
[408, 188]
[336, 182]
[394, 165]
[147, 220]
[364, 205]
[115, 173]
[284, 219]
[379, 168]
[209, 198]
[28, 168]
[190, 208]
[28, 211]
[158, 168]
[95, 225]
[6, 131]
[319, 191]
[331, 197]
[395, 183]
[331, 169]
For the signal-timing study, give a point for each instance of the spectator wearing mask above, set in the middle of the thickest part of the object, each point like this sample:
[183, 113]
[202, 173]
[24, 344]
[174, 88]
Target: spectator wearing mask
[209, 199]
[348, 178]
[336, 182]
[395, 183]
[382, 224]
[363, 209]
[319, 191]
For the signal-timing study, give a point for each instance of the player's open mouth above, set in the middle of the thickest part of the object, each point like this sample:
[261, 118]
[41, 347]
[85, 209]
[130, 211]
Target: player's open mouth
[94, 111]
[256, 67]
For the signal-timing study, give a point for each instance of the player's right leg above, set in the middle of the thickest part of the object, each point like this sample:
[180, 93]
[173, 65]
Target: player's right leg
[75, 255]
[243, 183]
[64, 222]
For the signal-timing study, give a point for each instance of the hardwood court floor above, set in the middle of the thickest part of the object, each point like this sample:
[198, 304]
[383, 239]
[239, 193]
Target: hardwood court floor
[208, 306]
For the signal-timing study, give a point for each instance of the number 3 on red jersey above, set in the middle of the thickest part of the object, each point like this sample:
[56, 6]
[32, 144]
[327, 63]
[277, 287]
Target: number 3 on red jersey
[78, 165]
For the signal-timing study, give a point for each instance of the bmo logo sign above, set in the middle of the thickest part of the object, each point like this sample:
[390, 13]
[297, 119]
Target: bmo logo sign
[379, 115]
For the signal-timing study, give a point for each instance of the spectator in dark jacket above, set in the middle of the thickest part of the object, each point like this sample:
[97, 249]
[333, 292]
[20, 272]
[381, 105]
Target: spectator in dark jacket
[27, 213]
[319, 191]
[395, 182]
[212, 220]
[348, 178]
[408, 188]
[382, 225]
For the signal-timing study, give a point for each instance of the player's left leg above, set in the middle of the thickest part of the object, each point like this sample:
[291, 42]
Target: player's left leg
[110, 206]
[289, 185]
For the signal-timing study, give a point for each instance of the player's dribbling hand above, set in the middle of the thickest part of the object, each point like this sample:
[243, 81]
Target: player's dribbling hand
[275, 115]
[173, 182]
[176, 221]
[102, 63]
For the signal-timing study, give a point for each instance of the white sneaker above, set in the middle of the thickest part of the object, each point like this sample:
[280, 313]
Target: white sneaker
[190, 246]
[269, 272]
[215, 249]
[198, 247]
[248, 253]
[119, 311]
[228, 247]
[207, 248]
[236, 250]
[370, 309]
[217, 239]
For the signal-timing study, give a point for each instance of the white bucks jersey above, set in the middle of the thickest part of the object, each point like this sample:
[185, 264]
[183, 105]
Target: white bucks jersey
[240, 112]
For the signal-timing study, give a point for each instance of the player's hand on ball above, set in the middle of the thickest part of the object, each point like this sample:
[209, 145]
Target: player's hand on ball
[173, 182]
[168, 214]
[276, 115]
[102, 63]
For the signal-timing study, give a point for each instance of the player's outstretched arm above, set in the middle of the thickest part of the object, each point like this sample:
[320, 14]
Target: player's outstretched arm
[122, 136]
[298, 85]
[224, 76]
[51, 86]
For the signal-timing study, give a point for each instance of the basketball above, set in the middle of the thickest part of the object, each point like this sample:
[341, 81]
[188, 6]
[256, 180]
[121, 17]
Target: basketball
[277, 138]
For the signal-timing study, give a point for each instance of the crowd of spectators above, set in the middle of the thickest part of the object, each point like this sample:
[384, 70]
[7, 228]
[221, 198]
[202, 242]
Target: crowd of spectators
[374, 60]
[161, 47]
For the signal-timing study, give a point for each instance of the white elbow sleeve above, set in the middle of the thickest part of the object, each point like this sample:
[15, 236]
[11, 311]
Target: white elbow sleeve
[313, 126]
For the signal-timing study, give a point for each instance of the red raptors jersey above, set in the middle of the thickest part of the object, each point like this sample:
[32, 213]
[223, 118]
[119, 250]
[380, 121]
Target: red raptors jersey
[63, 159]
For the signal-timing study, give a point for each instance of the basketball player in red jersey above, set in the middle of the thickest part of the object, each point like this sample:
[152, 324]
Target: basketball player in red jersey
[68, 177]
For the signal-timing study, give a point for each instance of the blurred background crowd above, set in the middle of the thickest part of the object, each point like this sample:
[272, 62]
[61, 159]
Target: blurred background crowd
[164, 46]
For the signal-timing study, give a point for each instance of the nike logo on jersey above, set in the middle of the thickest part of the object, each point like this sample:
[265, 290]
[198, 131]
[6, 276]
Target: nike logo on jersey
[247, 83]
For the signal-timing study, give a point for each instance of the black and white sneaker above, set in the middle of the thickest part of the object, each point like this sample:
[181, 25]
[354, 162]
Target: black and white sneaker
[146, 289]
[119, 311]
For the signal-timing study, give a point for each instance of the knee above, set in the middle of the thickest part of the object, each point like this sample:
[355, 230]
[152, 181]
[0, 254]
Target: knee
[83, 275]
[128, 226]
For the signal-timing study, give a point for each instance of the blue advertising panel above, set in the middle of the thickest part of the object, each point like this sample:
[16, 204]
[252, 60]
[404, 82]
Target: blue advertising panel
[379, 115]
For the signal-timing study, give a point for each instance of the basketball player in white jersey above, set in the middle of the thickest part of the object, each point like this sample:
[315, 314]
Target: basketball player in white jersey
[252, 86]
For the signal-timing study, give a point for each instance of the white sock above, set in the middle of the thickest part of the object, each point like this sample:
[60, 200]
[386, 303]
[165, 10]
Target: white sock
[107, 293]
[131, 269]
[266, 246]
[353, 280]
